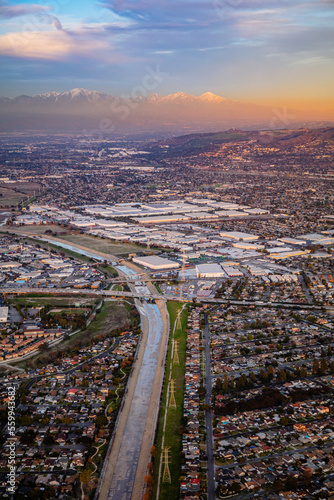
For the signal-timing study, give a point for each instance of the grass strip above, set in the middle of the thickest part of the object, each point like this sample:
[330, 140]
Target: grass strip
[171, 436]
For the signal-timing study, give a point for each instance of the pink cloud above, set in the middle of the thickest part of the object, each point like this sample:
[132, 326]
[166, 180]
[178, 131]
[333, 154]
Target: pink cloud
[57, 45]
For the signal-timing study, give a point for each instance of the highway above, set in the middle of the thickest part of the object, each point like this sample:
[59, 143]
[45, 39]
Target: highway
[155, 296]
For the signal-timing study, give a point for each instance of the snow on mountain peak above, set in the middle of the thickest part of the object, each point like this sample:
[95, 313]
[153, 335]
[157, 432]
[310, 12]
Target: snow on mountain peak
[209, 96]
[47, 95]
[81, 94]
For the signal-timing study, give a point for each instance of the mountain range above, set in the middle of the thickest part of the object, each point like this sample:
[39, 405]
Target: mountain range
[96, 114]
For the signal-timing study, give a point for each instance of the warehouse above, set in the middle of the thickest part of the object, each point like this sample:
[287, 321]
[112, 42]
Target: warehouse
[209, 271]
[156, 263]
[257, 211]
[231, 213]
[161, 219]
[232, 272]
[3, 314]
[287, 255]
[248, 246]
[238, 236]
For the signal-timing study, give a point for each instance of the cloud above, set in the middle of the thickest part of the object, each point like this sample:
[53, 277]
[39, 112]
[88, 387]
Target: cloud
[56, 45]
[57, 24]
[8, 11]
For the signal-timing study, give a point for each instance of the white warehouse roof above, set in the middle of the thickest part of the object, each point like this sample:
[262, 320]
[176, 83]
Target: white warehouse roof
[3, 314]
[154, 262]
[237, 235]
[209, 271]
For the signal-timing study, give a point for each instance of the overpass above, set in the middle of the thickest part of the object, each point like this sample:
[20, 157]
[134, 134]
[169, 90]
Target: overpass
[155, 296]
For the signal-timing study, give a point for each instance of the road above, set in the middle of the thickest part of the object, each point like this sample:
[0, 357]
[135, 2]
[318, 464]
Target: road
[300, 450]
[208, 414]
[305, 289]
[153, 295]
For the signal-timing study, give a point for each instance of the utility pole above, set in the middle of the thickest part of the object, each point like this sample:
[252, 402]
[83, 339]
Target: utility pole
[172, 402]
[166, 476]
[176, 352]
[182, 270]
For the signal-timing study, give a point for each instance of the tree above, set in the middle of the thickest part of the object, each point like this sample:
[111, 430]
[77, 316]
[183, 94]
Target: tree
[285, 420]
[28, 437]
[270, 371]
[291, 483]
[26, 420]
[153, 451]
[48, 440]
[307, 475]
[43, 347]
[86, 476]
[252, 376]
[315, 368]
[150, 467]
[282, 375]
[323, 366]
[148, 480]
[101, 421]
[236, 487]
[240, 383]
[225, 383]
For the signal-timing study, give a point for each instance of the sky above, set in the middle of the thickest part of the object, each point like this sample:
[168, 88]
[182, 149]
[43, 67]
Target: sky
[252, 50]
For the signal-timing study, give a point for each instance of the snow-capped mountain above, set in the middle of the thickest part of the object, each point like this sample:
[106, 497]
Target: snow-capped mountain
[210, 97]
[79, 109]
[83, 95]
[72, 95]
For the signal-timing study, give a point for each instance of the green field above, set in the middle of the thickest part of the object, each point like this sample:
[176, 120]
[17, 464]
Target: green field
[35, 301]
[37, 229]
[108, 270]
[77, 310]
[10, 198]
[90, 242]
[14, 193]
[172, 435]
[113, 315]
[28, 188]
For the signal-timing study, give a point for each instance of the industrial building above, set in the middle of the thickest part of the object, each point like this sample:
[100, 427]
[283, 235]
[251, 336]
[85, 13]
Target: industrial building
[232, 272]
[157, 219]
[209, 271]
[3, 314]
[156, 263]
[239, 236]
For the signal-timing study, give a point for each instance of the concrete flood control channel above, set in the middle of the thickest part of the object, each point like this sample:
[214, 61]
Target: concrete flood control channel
[126, 465]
